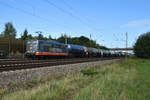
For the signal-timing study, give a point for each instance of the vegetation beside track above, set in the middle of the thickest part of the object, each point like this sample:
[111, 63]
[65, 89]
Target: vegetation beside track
[126, 80]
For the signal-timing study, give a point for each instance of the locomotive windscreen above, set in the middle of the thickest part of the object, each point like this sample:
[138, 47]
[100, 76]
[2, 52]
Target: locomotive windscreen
[32, 46]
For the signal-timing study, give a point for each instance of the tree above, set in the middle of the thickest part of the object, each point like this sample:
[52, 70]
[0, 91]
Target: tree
[10, 31]
[1, 35]
[40, 37]
[142, 46]
[84, 41]
[30, 36]
[50, 38]
[25, 35]
[61, 38]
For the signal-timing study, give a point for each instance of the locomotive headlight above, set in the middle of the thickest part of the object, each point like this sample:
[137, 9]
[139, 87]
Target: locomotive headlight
[31, 48]
[69, 46]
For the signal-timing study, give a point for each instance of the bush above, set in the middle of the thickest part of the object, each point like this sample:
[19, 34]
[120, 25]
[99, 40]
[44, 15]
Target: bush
[142, 46]
[89, 72]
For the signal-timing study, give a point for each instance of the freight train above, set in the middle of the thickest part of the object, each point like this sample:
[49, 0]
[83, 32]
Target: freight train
[54, 49]
[11, 46]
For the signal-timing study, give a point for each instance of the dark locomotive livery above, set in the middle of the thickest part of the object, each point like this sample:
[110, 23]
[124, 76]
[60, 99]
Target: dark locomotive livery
[45, 48]
[51, 49]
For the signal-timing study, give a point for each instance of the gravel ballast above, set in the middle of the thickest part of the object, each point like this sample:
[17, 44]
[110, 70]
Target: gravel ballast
[7, 78]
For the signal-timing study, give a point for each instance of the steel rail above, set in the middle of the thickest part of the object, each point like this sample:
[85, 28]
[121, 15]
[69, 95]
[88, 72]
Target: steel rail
[38, 64]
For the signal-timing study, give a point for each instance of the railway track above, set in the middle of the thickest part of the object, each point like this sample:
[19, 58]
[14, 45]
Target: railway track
[11, 65]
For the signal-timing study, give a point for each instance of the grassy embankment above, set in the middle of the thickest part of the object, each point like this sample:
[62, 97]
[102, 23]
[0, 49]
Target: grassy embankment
[127, 80]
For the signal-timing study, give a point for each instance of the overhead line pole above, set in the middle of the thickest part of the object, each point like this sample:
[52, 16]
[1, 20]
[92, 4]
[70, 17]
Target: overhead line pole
[90, 40]
[9, 48]
[66, 41]
[126, 44]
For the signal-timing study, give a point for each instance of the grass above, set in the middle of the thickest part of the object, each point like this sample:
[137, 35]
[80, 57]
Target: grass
[126, 80]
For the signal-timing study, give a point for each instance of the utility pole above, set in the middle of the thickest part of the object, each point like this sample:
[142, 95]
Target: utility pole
[90, 39]
[126, 44]
[65, 38]
[9, 47]
[38, 32]
[22, 46]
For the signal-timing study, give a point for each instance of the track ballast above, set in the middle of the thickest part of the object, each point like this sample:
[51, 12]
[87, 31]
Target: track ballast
[11, 65]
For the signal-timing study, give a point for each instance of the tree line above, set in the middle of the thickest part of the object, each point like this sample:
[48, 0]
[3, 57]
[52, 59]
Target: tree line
[10, 33]
[142, 46]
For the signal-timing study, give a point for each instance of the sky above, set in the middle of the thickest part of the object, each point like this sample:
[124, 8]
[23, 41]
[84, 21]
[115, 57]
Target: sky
[106, 20]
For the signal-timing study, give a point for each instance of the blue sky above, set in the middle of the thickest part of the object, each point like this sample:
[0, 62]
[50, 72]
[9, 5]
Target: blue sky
[106, 20]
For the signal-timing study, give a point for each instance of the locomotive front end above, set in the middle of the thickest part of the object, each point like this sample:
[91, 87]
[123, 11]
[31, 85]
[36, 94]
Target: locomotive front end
[31, 48]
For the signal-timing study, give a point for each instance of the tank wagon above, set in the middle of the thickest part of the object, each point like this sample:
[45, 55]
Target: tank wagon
[77, 50]
[54, 49]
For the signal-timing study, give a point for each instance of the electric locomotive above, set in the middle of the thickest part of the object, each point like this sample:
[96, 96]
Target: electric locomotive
[45, 48]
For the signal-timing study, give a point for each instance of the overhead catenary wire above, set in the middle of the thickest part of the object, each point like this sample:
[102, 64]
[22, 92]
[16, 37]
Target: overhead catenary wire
[43, 18]
[68, 13]
[72, 9]
[29, 13]
[84, 19]
[29, 4]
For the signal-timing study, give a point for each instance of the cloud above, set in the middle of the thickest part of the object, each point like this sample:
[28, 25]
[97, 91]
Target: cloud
[137, 23]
